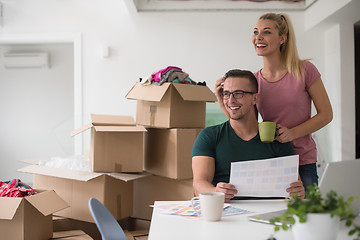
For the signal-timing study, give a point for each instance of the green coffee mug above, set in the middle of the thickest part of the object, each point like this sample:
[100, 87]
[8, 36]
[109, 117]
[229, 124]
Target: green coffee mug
[267, 131]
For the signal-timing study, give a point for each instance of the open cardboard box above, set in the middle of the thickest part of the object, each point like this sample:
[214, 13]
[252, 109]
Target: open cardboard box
[168, 151]
[114, 190]
[67, 225]
[30, 217]
[71, 235]
[171, 105]
[116, 144]
[134, 228]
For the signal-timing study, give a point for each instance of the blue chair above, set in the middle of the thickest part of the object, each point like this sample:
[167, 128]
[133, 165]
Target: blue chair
[105, 222]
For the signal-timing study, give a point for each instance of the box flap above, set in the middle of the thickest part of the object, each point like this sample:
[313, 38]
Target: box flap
[78, 175]
[128, 235]
[139, 233]
[60, 172]
[129, 176]
[149, 92]
[70, 233]
[105, 120]
[47, 202]
[120, 129]
[12, 204]
[82, 129]
[33, 161]
[195, 92]
[112, 120]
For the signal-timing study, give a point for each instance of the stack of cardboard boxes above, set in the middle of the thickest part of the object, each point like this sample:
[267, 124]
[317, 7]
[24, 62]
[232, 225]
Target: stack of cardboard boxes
[117, 145]
[173, 114]
[133, 166]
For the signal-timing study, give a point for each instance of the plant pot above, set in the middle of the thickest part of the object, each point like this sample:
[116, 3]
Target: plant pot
[318, 226]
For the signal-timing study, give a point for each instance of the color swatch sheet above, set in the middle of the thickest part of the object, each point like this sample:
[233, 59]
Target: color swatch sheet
[265, 178]
[185, 209]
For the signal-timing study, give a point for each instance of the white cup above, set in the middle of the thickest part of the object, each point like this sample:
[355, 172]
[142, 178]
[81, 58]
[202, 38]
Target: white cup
[211, 205]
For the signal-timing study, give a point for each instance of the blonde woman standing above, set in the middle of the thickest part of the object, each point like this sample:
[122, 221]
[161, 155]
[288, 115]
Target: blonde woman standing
[287, 85]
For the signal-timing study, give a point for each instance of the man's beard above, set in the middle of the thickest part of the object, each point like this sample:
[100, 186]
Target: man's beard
[236, 116]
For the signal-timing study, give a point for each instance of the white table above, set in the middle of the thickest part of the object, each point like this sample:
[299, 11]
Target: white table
[165, 227]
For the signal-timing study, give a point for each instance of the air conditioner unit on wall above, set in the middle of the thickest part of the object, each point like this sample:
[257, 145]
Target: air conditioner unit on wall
[26, 60]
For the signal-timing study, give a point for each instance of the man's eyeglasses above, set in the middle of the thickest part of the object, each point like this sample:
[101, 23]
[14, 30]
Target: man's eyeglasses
[236, 94]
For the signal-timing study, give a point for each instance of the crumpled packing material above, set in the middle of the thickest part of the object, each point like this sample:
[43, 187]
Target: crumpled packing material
[77, 163]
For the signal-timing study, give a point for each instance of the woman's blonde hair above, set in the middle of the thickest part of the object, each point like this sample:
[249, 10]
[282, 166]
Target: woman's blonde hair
[288, 50]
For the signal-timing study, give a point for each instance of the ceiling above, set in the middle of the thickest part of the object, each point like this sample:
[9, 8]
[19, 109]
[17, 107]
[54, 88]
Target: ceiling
[222, 5]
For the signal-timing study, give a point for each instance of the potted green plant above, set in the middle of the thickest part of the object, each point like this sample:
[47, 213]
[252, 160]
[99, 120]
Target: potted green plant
[316, 215]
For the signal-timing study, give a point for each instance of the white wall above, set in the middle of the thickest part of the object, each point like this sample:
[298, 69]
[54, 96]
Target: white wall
[204, 44]
[321, 10]
[332, 64]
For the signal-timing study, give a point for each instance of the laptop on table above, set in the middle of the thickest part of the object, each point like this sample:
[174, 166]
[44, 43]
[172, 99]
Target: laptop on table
[342, 177]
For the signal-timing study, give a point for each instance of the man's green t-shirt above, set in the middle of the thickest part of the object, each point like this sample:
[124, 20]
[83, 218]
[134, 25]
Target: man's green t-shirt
[221, 143]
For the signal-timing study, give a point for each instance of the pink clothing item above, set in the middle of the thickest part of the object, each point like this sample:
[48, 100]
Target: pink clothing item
[156, 77]
[15, 188]
[288, 103]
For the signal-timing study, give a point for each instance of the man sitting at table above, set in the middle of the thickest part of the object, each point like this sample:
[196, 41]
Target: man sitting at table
[234, 140]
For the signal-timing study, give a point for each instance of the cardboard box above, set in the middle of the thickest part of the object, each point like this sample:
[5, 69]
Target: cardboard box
[134, 228]
[114, 190]
[71, 235]
[116, 143]
[62, 224]
[171, 105]
[136, 235]
[154, 188]
[29, 218]
[168, 152]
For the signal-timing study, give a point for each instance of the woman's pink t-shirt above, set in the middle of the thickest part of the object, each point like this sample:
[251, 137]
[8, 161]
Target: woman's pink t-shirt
[288, 103]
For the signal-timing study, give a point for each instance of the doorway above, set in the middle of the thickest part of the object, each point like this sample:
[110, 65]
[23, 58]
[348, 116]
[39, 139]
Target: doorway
[357, 84]
[38, 107]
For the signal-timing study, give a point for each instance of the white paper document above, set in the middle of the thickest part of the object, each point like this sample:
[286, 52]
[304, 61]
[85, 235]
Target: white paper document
[265, 178]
